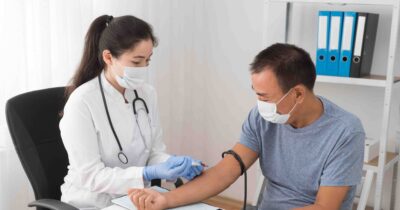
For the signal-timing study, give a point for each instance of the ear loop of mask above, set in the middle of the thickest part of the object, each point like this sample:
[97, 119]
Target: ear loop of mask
[282, 99]
[284, 96]
[113, 70]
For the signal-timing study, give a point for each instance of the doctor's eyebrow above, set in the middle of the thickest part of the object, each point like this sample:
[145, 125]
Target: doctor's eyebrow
[141, 56]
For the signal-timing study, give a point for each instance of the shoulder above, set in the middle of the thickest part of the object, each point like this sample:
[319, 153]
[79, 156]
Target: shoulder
[83, 94]
[337, 115]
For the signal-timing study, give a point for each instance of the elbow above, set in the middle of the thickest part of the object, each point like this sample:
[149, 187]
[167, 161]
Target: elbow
[93, 179]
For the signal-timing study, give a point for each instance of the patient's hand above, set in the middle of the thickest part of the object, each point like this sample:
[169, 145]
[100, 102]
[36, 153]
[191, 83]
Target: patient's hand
[147, 199]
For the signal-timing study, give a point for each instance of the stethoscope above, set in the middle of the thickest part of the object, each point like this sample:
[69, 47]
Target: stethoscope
[121, 155]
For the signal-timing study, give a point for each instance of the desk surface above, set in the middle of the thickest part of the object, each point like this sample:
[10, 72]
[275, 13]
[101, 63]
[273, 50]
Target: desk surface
[219, 201]
[114, 207]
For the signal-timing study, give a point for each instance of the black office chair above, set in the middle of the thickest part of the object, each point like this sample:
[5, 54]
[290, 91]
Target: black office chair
[33, 120]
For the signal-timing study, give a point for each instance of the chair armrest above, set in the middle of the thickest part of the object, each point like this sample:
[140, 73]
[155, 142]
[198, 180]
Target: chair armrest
[178, 182]
[52, 204]
[156, 182]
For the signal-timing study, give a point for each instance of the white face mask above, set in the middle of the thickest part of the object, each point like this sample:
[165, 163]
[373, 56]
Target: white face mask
[269, 111]
[133, 77]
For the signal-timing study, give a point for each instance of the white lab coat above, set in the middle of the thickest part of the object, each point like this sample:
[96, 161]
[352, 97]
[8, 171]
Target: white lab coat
[95, 174]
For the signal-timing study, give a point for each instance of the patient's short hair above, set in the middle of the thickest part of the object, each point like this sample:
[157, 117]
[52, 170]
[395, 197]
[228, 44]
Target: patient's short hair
[291, 65]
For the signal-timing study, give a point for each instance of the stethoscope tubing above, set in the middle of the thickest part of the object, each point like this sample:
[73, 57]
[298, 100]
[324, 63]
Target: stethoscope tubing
[121, 155]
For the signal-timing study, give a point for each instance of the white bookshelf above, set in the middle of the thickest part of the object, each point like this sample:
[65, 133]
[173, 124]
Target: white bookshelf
[386, 160]
[372, 81]
[391, 159]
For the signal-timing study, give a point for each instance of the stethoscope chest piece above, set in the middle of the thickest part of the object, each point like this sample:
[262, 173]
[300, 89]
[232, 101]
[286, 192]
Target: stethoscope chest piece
[122, 157]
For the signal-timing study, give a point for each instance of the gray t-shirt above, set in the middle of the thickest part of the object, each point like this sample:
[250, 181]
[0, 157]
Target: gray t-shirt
[296, 162]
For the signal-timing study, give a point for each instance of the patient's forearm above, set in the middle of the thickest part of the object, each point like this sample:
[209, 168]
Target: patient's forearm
[210, 183]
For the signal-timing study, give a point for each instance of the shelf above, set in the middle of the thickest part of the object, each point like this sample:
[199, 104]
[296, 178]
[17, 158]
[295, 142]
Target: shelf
[391, 159]
[373, 80]
[341, 2]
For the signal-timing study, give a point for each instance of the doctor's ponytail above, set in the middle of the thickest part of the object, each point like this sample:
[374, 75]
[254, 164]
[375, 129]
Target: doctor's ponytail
[117, 35]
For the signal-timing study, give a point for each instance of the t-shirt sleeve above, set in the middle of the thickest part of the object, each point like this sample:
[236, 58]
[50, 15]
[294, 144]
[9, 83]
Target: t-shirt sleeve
[248, 135]
[345, 163]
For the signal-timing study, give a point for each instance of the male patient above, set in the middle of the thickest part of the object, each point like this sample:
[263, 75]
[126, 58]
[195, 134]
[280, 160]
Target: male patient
[310, 150]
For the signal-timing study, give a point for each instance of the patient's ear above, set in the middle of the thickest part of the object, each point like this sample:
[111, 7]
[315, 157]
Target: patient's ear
[300, 91]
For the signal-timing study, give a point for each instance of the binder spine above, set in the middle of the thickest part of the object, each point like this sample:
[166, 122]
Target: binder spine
[334, 43]
[346, 53]
[322, 42]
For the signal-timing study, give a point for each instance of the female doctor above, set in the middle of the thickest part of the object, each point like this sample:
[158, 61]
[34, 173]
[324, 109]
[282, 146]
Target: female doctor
[110, 126]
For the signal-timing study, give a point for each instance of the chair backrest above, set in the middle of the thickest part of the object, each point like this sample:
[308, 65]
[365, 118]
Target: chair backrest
[33, 120]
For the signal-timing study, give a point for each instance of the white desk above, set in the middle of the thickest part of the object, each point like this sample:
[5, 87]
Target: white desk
[114, 207]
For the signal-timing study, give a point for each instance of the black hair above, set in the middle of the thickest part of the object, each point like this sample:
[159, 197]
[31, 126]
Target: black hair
[292, 65]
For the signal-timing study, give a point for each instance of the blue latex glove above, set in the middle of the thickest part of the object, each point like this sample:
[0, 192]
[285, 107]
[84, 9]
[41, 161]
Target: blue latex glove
[195, 169]
[173, 168]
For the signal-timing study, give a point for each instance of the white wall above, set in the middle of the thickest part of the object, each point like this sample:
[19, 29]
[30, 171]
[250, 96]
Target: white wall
[203, 84]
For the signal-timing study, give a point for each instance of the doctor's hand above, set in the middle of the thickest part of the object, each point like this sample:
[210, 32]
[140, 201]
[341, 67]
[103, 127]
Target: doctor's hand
[147, 199]
[196, 168]
[173, 168]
